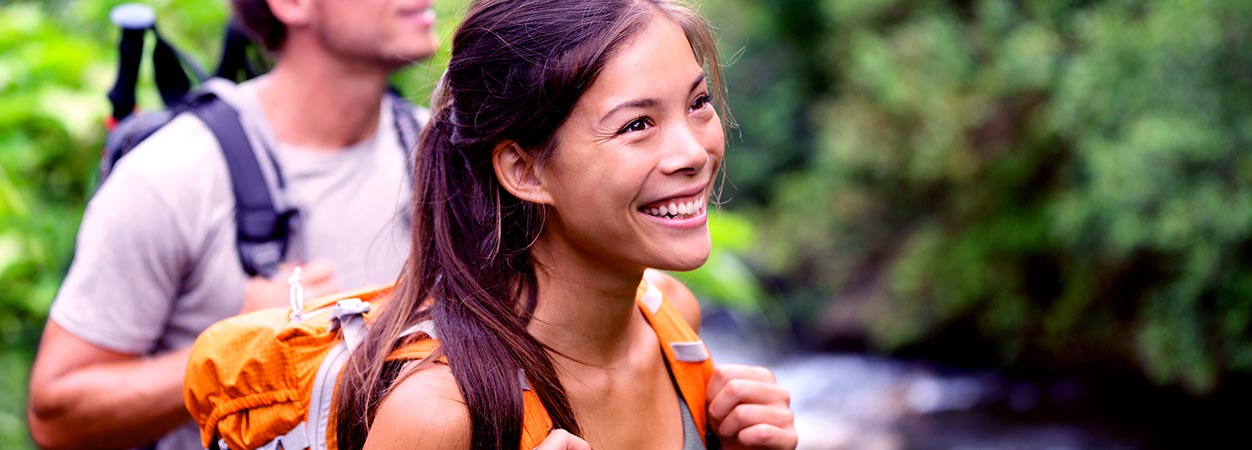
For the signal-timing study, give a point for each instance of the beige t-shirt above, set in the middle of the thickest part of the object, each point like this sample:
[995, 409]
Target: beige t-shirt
[156, 261]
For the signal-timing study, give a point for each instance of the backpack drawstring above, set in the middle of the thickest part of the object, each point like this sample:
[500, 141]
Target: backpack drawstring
[296, 296]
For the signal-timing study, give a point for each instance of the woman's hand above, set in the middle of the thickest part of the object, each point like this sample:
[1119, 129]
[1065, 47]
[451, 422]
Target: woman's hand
[749, 410]
[561, 440]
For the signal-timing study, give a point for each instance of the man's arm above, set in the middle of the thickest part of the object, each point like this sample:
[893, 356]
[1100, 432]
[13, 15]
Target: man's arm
[94, 383]
[84, 396]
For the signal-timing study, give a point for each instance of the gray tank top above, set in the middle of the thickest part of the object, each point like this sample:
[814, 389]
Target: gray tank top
[691, 436]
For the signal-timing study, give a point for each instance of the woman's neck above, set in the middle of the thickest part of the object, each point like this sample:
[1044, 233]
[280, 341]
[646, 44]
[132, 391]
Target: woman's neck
[586, 310]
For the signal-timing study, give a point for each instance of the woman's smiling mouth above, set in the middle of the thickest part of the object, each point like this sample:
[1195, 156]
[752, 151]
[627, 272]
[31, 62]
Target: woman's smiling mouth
[680, 208]
[684, 209]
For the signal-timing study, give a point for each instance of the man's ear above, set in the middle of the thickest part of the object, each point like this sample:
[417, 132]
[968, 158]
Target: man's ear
[291, 12]
[518, 173]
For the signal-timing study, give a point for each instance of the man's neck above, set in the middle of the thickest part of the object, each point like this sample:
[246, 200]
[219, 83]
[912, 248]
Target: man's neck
[315, 101]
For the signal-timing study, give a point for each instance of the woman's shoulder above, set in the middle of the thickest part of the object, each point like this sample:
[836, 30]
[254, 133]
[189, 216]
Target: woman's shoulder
[677, 294]
[423, 410]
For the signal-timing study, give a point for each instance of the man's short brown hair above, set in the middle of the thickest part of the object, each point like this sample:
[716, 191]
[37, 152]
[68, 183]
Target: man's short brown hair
[256, 19]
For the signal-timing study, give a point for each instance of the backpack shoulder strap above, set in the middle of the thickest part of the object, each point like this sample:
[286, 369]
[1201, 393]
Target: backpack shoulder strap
[685, 352]
[261, 230]
[409, 121]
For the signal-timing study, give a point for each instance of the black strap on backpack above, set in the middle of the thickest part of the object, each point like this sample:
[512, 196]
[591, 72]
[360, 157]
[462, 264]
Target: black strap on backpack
[168, 65]
[234, 63]
[170, 69]
[261, 230]
[130, 54]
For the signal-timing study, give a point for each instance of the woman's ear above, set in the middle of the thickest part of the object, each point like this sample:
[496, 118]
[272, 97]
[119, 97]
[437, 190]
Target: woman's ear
[518, 173]
[291, 12]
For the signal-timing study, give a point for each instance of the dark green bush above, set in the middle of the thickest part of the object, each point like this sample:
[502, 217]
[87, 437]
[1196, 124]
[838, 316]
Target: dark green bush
[1069, 179]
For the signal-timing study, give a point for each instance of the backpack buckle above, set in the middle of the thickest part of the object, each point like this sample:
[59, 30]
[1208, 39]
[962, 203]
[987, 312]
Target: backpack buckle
[350, 307]
[348, 317]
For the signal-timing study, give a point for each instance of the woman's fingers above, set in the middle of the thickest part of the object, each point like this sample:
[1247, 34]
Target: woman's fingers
[746, 416]
[559, 439]
[748, 409]
[736, 392]
[767, 436]
[722, 374]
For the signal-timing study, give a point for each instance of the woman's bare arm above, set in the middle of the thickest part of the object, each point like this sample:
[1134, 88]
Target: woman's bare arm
[423, 411]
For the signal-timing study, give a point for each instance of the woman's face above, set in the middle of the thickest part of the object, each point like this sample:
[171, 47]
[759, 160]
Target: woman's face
[635, 162]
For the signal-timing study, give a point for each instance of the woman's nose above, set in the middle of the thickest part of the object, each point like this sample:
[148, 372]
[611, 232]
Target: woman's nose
[684, 153]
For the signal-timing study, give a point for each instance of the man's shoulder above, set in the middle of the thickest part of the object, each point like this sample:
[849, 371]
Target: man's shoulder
[183, 152]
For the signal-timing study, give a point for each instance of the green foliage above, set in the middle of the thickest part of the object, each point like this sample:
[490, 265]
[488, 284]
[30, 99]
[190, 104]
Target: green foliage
[726, 278]
[49, 128]
[1055, 175]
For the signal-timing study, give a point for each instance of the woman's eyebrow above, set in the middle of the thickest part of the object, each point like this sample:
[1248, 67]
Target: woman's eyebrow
[650, 102]
[637, 103]
[699, 80]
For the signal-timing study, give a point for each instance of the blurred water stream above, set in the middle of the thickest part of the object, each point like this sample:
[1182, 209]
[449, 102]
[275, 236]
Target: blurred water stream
[855, 401]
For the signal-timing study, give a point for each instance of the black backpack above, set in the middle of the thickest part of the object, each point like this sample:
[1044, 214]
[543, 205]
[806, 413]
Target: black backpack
[262, 229]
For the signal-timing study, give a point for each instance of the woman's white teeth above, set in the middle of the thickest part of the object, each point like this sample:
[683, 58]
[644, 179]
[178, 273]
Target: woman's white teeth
[675, 210]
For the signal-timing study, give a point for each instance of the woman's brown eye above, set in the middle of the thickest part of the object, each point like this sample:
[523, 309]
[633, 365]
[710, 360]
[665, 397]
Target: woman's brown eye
[700, 102]
[639, 124]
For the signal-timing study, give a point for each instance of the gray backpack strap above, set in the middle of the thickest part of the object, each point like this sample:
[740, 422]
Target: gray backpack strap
[296, 439]
[409, 121]
[350, 320]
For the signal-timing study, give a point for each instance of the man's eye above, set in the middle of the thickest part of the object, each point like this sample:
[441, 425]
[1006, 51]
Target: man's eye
[638, 124]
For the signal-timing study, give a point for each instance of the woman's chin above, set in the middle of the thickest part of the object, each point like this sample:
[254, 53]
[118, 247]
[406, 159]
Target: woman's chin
[682, 263]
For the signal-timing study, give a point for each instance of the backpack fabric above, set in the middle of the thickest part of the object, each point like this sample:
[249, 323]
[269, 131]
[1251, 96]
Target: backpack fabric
[267, 379]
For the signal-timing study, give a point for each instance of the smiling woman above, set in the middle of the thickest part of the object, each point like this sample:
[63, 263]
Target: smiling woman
[574, 145]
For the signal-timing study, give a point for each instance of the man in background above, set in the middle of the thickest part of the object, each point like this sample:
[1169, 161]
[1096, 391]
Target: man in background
[156, 258]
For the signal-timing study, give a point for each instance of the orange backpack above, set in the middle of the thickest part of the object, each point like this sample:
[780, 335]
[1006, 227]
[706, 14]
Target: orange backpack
[266, 379]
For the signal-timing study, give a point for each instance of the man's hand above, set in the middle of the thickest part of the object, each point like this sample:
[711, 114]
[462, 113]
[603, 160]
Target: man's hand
[561, 440]
[317, 278]
[749, 410]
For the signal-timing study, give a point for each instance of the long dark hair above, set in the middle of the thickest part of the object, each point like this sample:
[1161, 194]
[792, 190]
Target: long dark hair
[517, 69]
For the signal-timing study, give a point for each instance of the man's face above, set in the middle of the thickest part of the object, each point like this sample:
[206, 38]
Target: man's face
[389, 32]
